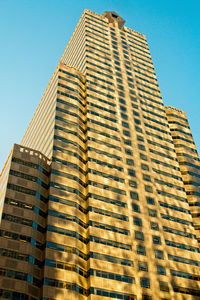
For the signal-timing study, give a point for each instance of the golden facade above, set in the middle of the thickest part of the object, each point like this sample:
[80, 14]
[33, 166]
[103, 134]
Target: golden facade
[116, 223]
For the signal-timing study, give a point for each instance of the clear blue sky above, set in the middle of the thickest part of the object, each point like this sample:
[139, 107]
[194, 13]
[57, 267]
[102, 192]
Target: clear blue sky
[33, 36]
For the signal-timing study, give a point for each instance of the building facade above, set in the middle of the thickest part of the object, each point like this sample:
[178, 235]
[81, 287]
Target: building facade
[96, 200]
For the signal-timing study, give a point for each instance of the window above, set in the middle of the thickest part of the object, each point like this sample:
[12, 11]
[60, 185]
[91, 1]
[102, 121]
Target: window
[143, 266]
[118, 74]
[134, 195]
[141, 147]
[120, 87]
[137, 121]
[156, 240]
[125, 124]
[145, 167]
[152, 212]
[126, 132]
[148, 189]
[123, 108]
[138, 129]
[127, 142]
[143, 156]
[130, 162]
[141, 250]
[146, 297]
[135, 207]
[154, 226]
[122, 101]
[124, 116]
[150, 200]
[137, 221]
[139, 235]
[159, 254]
[144, 282]
[128, 152]
[131, 172]
[139, 137]
[161, 270]
[164, 286]
[146, 177]
[132, 183]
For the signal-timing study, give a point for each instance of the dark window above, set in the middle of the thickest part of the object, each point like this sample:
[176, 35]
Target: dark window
[146, 177]
[122, 101]
[154, 226]
[125, 124]
[164, 286]
[148, 189]
[132, 183]
[161, 270]
[141, 250]
[145, 167]
[135, 207]
[130, 162]
[126, 132]
[139, 137]
[150, 200]
[156, 240]
[139, 235]
[129, 152]
[152, 212]
[124, 116]
[143, 156]
[138, 129]
[134, 195]
[137, 221]
[141, 147]
[144, 282]
[131, 172]
[159, 254]
[143, 266]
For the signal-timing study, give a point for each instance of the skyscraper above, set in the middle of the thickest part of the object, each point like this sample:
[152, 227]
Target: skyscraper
[93, 200]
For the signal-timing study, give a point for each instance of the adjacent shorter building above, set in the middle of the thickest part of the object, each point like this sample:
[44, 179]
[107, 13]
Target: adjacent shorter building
[99, 200]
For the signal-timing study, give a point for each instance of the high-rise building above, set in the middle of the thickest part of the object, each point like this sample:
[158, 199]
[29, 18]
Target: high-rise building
[93, 201]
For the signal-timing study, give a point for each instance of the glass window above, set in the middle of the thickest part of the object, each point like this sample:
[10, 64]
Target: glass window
[164, 286]
[122, 101]
[145, 282]
[138, 129]
[139, 235]
[161, 270]
[141, 250]
[130, 162]
[132, 183]
[154, 226]
[141, 147]
[137, 121]
[152, 212]
[125, 124]
[156, 240]
[150, 200]
[135, 207]
[145, 167]
[128, 152]
[146, 177]
[143, 156]
[137, 221]
[159, 254]
[126, 133]
[148, 189]
[139, 137]
[143, 266]
[124, 116]
[131, 173]
[134, 195]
